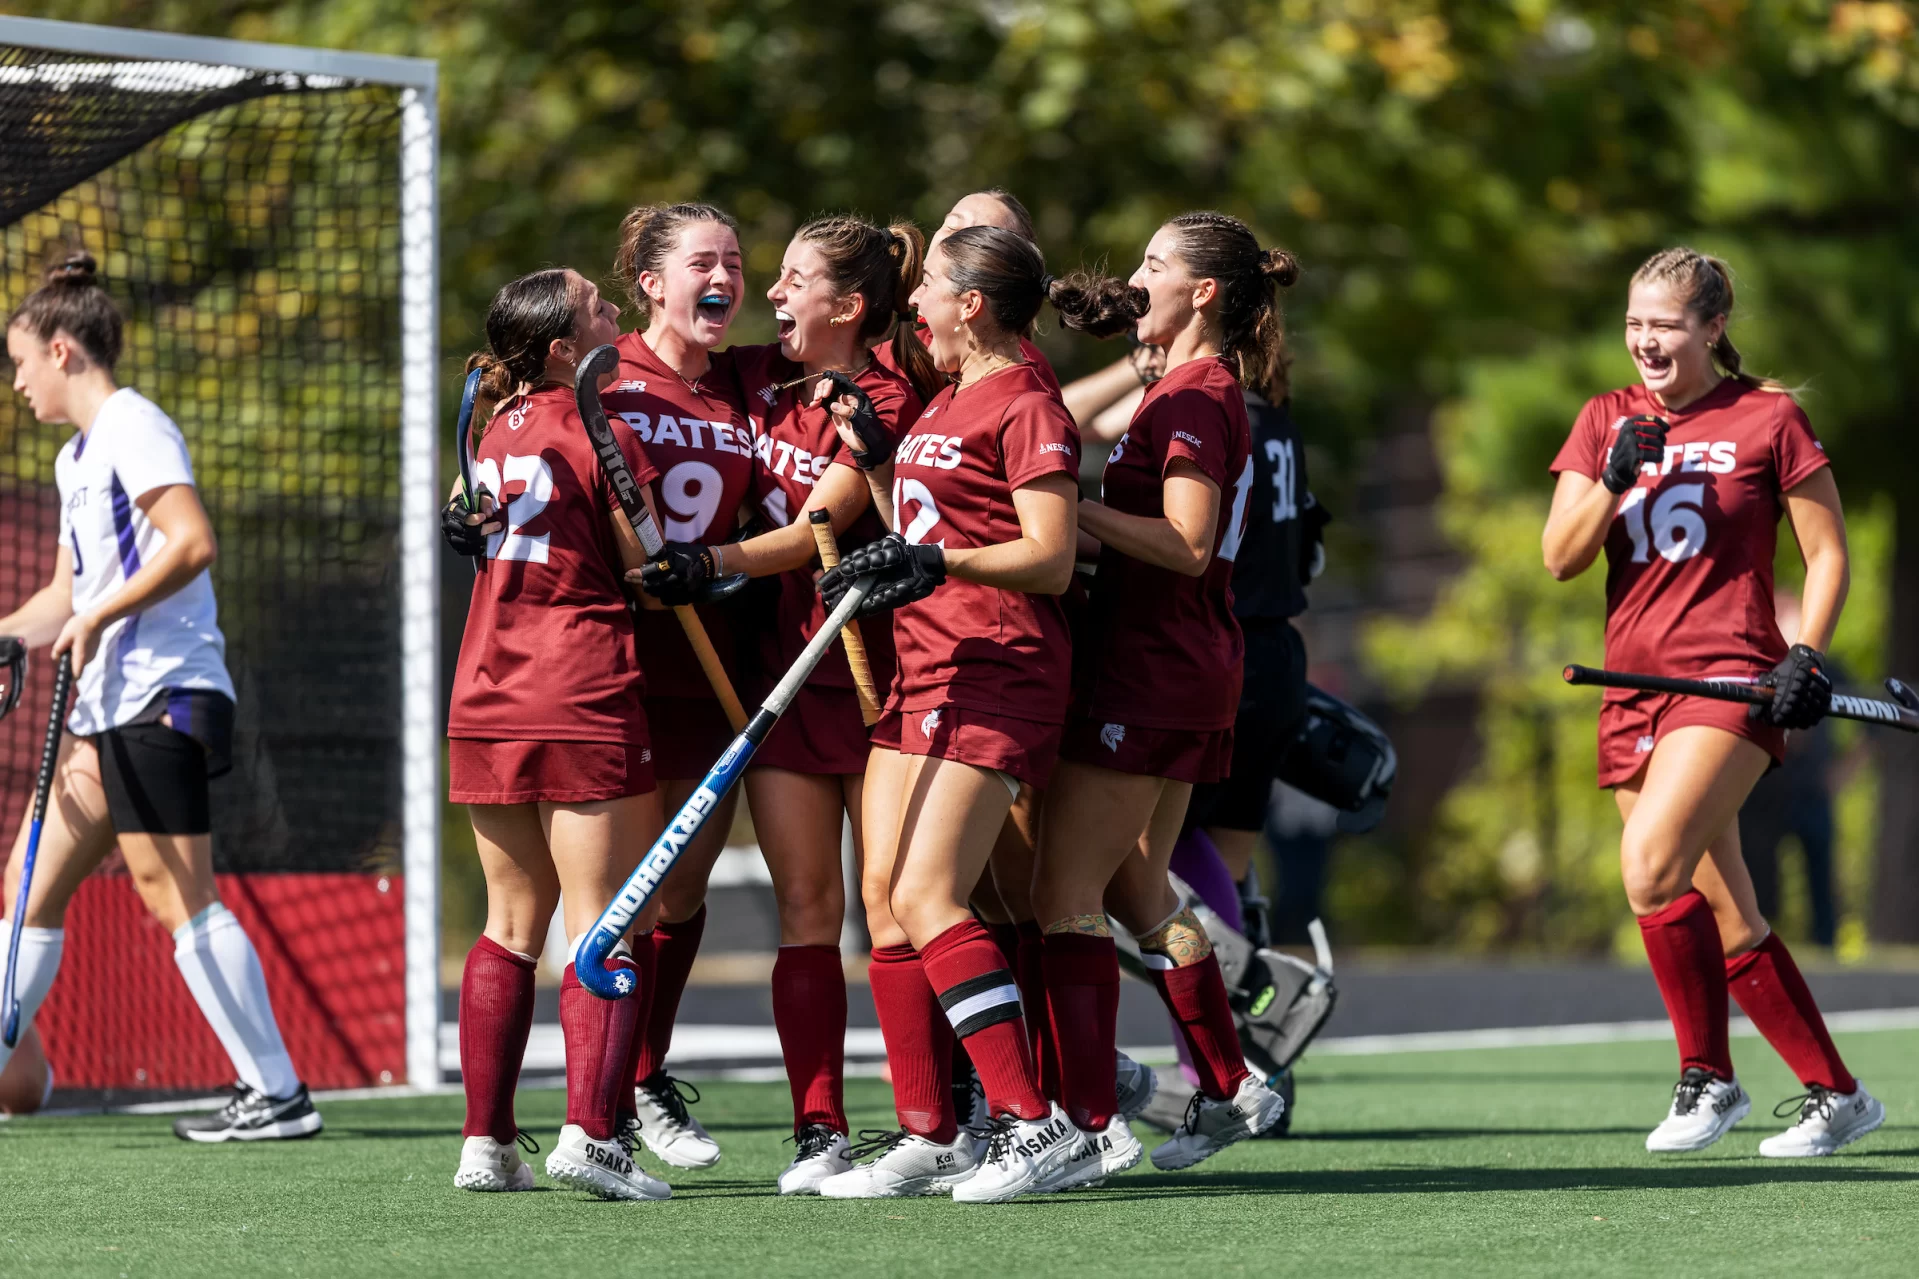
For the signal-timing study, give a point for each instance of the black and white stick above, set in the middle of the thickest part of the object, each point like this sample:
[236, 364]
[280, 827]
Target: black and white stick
[42, 788]
[1901, 713]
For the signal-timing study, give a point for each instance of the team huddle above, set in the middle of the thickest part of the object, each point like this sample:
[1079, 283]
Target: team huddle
[1040, 701]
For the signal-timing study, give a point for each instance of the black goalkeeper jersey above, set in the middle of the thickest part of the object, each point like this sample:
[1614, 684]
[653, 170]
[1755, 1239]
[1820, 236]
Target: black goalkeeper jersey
[1266, 575]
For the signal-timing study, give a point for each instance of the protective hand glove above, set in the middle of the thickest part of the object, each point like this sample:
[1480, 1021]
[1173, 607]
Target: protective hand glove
[876, 443]
[1801, 691]
[679, 574]
[898, 573]
[13, 671]
[466, 531]
[1641, 439]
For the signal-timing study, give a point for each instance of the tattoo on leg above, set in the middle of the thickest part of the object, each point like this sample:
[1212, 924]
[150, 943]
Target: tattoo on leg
[1084, 925]
[1180, 939]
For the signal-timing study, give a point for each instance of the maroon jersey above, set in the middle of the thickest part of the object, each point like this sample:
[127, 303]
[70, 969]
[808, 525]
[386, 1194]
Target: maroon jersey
[796, 444]
[701, 440]
[967, 644]
[1164, 649]
[1689, 554]
[548, 651]
[883, 354]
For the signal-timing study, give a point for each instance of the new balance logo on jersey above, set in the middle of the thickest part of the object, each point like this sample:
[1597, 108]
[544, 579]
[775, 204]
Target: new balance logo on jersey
[1645, 744]
[768, 394]
[931, 722]
[630, 384]
[1111, 735]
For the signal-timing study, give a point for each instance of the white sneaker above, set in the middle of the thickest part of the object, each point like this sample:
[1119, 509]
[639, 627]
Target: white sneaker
[1134, 1085]
[1827, 1121]
[1021, 1156]
[602, 1168]
[486, 1164]
[1211, 1126]
[669, 1129]
[1097, 1157]
[1704, 1109]
[822, 1154]
[906, 1164]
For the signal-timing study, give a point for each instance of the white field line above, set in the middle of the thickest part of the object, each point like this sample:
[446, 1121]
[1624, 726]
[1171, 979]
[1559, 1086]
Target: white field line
[697, 1050]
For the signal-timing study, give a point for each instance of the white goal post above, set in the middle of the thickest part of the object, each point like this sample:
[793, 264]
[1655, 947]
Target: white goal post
[125, 54]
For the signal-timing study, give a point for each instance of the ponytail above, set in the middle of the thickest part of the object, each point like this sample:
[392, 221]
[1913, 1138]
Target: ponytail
[525, 319]
[72, 302]
[883, 266]
[1010, 273]
[1704, 285]
[1252, 328]
[647, 234]
[906, 250]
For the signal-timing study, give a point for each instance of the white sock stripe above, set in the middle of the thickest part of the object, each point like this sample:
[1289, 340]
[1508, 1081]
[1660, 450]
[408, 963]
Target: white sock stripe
[215, 916]
[985, 1001]
[1153, 959]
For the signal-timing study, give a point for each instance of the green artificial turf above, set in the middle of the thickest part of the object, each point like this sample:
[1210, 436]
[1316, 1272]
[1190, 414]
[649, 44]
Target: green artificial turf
[1509, 1161]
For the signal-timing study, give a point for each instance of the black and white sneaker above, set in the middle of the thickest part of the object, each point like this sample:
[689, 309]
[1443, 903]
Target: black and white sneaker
[668, 1128]
[823, 1152]
[1704, 1109]
[251, 1115]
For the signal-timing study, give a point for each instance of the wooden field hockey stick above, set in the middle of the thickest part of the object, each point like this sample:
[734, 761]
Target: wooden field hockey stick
[42, 788]
[1901, 714]
[586, 394]
[829, 549]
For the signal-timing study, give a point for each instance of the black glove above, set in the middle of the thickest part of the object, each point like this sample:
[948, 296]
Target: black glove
[462, 537]
[1641, 439]
[896, 572]
[1801, 691]
[1313, 519]
[876, 442]
[679, 574]
[13, 671]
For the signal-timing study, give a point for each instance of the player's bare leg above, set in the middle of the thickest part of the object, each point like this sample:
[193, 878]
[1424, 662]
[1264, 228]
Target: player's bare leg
[799, 820]
[659, 1103]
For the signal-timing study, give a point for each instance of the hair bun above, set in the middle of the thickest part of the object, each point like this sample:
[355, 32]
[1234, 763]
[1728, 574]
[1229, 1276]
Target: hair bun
[78, 267]
[1279, 266]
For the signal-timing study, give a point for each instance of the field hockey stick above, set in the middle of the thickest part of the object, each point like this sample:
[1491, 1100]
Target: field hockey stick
[829, 549]
[599, 362]
[463, 449]
[42, 788]
[589, 964]
[1901, 713]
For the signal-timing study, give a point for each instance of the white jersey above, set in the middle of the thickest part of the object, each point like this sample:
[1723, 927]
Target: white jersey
[132, 449]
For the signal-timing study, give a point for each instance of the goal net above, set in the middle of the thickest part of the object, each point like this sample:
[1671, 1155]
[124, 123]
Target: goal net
[264, 217]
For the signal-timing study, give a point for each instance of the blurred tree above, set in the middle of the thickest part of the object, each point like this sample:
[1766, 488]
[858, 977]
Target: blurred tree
[1468, 184]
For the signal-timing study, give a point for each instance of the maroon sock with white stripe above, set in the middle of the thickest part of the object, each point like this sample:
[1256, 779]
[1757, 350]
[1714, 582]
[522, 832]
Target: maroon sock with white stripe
[981, 1001]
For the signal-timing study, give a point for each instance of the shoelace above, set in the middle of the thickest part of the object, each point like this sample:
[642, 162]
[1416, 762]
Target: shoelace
[672, 1095]
[1686, 1093]
[998, 1132]
[1191, 1122]
[814, 1139]
[524, 1140]
[243, 1093]
[874, 1141]
[1814, 1101]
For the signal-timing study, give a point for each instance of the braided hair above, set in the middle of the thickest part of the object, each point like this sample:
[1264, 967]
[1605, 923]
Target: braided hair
[1220, 247]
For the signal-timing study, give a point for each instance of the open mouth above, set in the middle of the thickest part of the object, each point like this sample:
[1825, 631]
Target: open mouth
[1654, 365]
[786, 323]
[714, 308]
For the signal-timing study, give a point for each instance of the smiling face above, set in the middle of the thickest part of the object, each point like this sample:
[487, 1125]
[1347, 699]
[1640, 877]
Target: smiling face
[595, 324]
[945, 313]
[1670, 345]
[40, 372]
[1175, 295]
[805, 305]
[697, 290]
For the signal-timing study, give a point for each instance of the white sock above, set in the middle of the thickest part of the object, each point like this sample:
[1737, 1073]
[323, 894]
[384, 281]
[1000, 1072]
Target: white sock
[33, 975]
[223, 972]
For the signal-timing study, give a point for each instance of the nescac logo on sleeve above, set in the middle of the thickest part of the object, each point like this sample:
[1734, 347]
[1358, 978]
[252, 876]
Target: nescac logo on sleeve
[1055, 447]
[1193, 440]
[941, 452]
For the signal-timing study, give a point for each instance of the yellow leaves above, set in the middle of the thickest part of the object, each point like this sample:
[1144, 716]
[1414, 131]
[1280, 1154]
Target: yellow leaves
[700, 45]
[1416, 58]
[1306, 202]
[1880, 20]
[1643, 42]
[1339, 39]
[1563, 195]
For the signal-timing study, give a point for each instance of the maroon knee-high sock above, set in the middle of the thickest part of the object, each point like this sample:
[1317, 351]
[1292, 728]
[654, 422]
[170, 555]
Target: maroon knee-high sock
[645, 969]
[496, 1015]
[1769, 988]
[1082, 994]
[1689, 963]
[675, 946]
[598, 1033]
[1196, 996]
[981, 1001]
[1029, 971]
[919, 1043]
[809, 1011]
